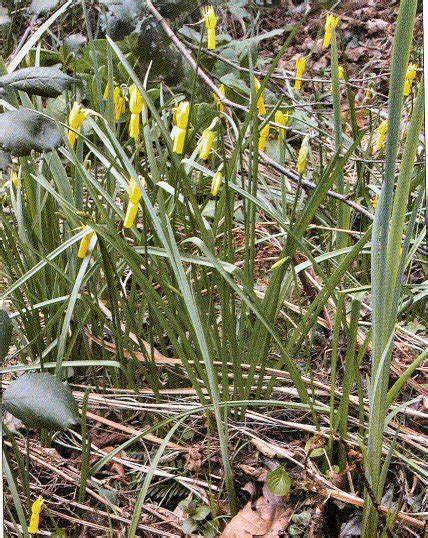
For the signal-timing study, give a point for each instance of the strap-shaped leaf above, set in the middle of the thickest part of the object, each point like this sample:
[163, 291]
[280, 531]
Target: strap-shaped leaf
[24, 130]
[41, 400]
[43, 81]
[6, 328]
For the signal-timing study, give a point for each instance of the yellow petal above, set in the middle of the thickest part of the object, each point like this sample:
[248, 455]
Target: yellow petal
[179, 139]
[263, 138]
[85, 243]
[134, 190]
[134, 126]
[261, 100]
[301, 63]
[302, 159]
[36, 508]
[210, 17]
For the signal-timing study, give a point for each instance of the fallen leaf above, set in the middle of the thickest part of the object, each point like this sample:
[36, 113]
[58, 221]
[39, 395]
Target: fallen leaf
[269, 519]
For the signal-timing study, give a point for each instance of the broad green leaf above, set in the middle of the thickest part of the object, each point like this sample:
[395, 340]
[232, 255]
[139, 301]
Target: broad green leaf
[43, 81]
[6, 328]
[41, 400]
[24, 130]
[279, 481]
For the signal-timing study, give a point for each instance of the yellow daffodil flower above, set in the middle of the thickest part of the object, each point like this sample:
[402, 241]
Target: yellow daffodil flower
[181, 120]
[136, 103]
[220, 105]
[36, 508]
[216, 184]
[374, 202]
[330, 24]
[341, 73]
[301, 63]
[106, 91]
[282, 118]
[210, 19]
[263, 138]
[410, 77]
[85, 243]
[207, 141]
[380, 136]
[135, 194]
[261, 100]
[119, 103]
[75, 120]
[302, 159]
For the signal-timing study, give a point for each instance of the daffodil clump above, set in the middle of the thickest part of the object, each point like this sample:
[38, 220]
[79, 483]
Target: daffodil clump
[181, 121]
[36, 509]
[136, 104]
[135, 194]
[210, 19]
[301, 64]
[331, 23]
[77, 116]
[85, 243]
[410, 78]
[302, 159]
[380, 138]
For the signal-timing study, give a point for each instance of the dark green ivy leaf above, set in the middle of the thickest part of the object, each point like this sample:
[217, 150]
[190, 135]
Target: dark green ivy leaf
[24, 130]
[41, 400]
[43, 81]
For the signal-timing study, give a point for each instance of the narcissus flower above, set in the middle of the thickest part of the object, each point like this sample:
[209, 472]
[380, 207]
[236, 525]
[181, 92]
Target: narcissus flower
[85, 243]
[136, 103]
[181, 120]
[301, 63]
[36, 508]
[263, 138]
[261, 100]
[206, 144]
[135, 194]
[410, 77]
[220, 105]
[119, 102]
[210, 19]
[341, 73]
[75, 120]
[302, 159]
[330, 24]
[282, 118]
[380, 136]
[216, 184]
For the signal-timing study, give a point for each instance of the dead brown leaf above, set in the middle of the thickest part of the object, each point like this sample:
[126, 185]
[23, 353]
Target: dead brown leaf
[269, 519]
